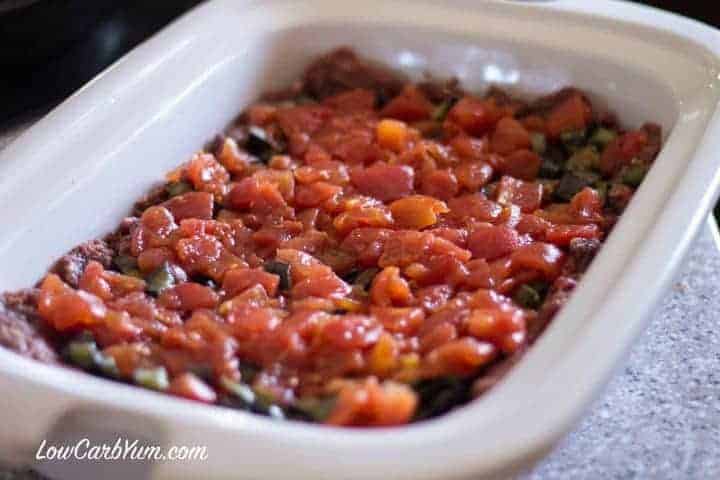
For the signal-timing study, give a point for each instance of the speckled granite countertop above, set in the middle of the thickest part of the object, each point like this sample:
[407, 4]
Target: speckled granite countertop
[660, 416]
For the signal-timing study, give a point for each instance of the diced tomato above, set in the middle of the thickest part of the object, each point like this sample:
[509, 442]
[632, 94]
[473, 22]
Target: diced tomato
[399, 320]
[432, 297]
[191, 387]
[155, 230]
[393, 135]
[328, 285]
[346, 332]
[460, 357]
[106, 284]
[490, 242]
[587, 205]
[632, 143]
[440, 184]
[240, 279]
[205, 255]
[503, 327]
[572, 113]
[188, 296]
[410, 106]
[208, 175]
[234, 160]
[509, 136]
[299, 123]
[473, 175]
[457, 236]
[443, 247]
[67, 309]
[389, 288]
[561, 235]
[532, 225]
[474, 206]
[474, 116]
[622, 150]
[252, 194]
[403, 248]
[442, 269]
[315, 194]
[191, 205]
[522, 164]
[261, 114]
[542, 257]
[252, 322]
[377, 217]
[369, 403]
[534, 123]
[357, 100]
[479, 274]
[469, 148]
[367, 244]
[438, 335]
[526, 195]
[417, 211]
[384, 182]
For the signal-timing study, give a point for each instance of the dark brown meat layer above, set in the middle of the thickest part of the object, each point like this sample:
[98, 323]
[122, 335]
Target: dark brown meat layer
[21, 329]
[71, 266]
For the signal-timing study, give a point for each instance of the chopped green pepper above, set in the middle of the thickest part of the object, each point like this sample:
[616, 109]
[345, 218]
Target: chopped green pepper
[240, 391]
[152, 378]
[573, 139]
[160, 279]
[583, 160]
[265, 404]
[282, 270]
[314, 408]
[365, 278]
[528, 297]
[127, 264]
[602, 136]
[634, 174]
[84, 352]
[174, 189]
[539, 142]
[106, 365]
[443, 109]
[602, 188]
[244, 397]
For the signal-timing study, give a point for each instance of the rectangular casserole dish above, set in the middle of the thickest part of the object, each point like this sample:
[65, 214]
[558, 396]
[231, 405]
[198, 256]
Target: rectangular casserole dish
[74, 175]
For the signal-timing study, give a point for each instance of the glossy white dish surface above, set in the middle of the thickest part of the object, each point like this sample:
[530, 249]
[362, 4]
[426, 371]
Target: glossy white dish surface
[77, 172]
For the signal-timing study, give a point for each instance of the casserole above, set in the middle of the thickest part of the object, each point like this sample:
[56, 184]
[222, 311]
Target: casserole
[164, 99]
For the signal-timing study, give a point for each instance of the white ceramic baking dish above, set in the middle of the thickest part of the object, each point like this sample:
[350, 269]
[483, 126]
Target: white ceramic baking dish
[74, 175]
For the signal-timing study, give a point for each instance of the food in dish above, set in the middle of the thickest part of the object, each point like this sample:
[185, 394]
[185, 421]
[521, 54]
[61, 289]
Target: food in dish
[357, 250]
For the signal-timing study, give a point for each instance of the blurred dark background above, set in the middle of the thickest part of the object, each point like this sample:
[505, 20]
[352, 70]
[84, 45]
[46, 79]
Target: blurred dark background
[50, 48]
